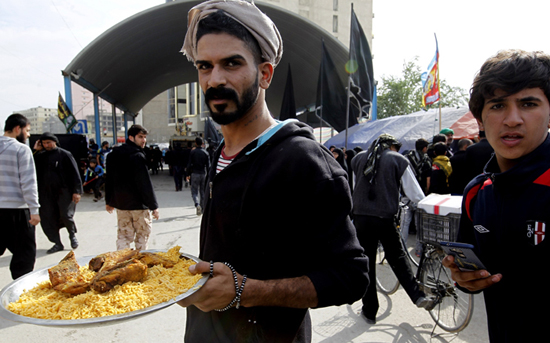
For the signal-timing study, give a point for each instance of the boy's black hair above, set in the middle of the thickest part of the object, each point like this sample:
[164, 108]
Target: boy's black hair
[440, 148]
[510, 71]
[137, 129]
[421, 143]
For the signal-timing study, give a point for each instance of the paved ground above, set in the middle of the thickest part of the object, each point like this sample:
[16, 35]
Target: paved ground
[399, 320]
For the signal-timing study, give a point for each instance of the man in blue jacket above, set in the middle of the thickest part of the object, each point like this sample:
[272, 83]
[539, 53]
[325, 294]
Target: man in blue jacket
[505, 210]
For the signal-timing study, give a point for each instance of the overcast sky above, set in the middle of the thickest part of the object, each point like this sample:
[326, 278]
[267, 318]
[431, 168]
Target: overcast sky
[38, 38]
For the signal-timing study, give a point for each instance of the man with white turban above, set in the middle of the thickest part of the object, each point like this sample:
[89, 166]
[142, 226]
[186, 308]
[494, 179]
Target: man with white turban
[275, 226]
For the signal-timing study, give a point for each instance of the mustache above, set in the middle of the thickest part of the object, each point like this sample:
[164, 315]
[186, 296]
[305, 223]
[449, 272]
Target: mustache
[220, 93]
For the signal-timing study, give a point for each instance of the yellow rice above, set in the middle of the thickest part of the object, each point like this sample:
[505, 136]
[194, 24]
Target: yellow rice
[160, 285]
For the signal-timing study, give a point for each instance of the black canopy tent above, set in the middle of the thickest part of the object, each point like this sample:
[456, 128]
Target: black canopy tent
[140, 57]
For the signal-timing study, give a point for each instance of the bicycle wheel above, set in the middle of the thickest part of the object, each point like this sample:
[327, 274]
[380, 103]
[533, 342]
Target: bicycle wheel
[386, 281]
[410, 252]
[454, 308]
[399, 219]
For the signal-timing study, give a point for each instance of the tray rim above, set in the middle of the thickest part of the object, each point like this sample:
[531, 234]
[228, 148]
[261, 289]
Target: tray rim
[7, 314]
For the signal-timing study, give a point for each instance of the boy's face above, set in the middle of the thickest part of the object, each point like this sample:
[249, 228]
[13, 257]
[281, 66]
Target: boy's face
[516, 124]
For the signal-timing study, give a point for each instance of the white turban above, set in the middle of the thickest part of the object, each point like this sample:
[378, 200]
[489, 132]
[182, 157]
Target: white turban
[245, 13]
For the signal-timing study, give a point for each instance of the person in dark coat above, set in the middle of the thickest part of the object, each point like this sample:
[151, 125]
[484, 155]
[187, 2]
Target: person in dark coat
[477, 155]
[169, 160]
[441, 170]
[180, 158]
[350, 154]
[129, 190]
[156, 156]
[340, 158]
[261, 164]
[197, 168]
[460, 176]
[59, 190]
[382, 175]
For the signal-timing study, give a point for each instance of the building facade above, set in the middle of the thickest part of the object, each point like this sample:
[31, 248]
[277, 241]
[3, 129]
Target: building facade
[38, 116]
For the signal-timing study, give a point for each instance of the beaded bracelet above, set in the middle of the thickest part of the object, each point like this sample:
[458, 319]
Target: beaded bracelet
[238, 290]
[241, 289]
[211, 268]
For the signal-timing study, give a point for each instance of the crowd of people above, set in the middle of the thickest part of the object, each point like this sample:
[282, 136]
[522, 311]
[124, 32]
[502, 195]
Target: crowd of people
[190, 164]
[442, 166]
[345, 201]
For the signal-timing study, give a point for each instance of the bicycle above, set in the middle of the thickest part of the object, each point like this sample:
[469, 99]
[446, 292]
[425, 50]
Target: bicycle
[453, 308]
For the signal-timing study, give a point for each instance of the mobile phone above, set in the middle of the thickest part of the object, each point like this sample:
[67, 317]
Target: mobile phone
[464, 255]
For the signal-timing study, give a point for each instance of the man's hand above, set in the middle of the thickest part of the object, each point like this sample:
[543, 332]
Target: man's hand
[38, 145]
[76, 198]
[156, 214]
[35, 219]
[473, 281]
[217, 292]
[109, 209]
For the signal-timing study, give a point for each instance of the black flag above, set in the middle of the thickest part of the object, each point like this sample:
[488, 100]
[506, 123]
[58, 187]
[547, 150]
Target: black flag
[331, 95]
[360, 69]
[288, 106]
[65, 114]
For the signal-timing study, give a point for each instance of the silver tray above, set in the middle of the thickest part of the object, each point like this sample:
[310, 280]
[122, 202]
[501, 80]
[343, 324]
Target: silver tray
[12, 291]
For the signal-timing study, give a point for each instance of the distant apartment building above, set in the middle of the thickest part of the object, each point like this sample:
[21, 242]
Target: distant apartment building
[332, 15]
[53, 125]
[38, 116]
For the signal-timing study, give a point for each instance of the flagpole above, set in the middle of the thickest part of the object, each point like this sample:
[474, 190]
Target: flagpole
[321, 104]
[438, 81]
[349, 82]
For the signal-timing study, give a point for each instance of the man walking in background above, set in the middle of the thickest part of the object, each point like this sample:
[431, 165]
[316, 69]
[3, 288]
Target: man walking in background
[128, 188]
[382, 174]
[199, 163]
[59, 188]
[18, 196]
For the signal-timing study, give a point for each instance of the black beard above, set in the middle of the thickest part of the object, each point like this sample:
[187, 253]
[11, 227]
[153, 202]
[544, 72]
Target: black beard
[21, 137]
[249, 98]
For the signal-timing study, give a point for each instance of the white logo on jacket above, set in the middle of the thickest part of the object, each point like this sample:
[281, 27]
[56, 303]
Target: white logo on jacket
[481, 229]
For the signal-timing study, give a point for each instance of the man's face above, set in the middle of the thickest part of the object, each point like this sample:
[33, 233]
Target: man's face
[49, 144]
[140, 139]
[516, 124]
[24, 134]
[228, 76]
[449, 138]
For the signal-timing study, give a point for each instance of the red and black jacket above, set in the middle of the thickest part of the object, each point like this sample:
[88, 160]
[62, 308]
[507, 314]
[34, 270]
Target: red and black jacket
[505, 215]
